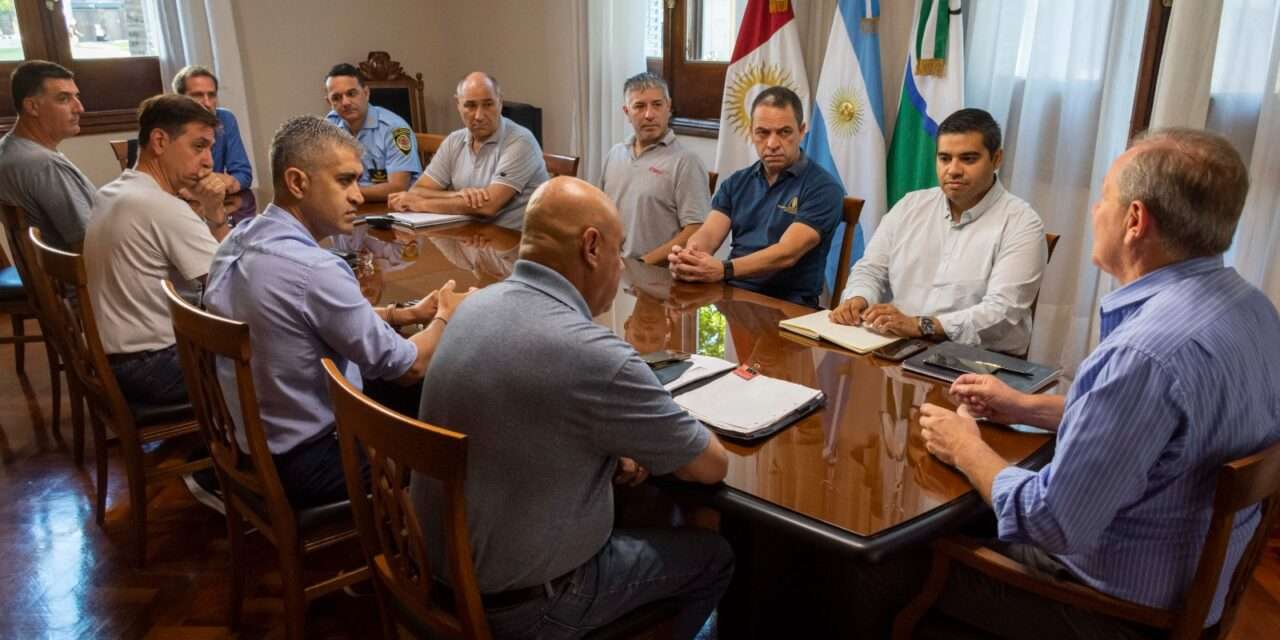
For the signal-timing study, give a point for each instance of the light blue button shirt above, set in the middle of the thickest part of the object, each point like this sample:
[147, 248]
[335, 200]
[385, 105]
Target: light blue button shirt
[1184, 380]
[389, 145]
[302, 303]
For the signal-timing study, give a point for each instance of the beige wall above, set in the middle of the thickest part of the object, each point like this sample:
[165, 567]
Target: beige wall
[92, 153]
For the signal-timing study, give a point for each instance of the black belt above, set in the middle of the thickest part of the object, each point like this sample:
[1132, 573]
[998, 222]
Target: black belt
[513, 597]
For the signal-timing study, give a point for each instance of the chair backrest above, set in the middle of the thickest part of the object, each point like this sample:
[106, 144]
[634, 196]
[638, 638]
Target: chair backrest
[395, 446]
[428, 145]
[851, 208]
[1050, 239]
[558, 165]
[202, 338]
[60, 280]
[1241, 483]
[14, 223]
[711, 181]
[126, 152]
[390, 87]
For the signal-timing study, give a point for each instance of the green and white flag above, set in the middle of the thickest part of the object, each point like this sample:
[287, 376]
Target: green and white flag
[932, 89]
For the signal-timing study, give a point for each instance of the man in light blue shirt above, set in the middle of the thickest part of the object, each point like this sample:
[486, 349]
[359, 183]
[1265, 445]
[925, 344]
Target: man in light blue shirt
[390, 157]
[230, 160]
[1183, 381]
[303, 303]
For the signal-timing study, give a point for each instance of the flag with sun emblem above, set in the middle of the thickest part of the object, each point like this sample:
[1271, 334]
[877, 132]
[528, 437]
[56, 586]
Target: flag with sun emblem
[846, 134]
[766, 54]
[932, 89]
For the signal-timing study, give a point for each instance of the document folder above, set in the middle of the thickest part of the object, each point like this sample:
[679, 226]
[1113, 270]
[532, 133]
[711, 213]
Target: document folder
[1035, 377]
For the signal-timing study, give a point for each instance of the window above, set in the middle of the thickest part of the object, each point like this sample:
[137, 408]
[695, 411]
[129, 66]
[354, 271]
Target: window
[111, 45]
[689, 43]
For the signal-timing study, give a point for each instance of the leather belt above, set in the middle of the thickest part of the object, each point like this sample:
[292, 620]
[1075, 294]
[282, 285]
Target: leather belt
[513, 597]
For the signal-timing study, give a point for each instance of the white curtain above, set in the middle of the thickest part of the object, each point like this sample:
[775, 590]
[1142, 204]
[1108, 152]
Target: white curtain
[1059, 77]
[204, 32]
[1222, 73]
[610, 49]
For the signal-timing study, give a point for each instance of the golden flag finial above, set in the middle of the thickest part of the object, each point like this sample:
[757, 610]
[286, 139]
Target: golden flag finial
[779, 6]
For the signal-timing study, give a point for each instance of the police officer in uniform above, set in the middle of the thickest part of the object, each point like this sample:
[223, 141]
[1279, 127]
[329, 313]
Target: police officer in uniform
[391, 161]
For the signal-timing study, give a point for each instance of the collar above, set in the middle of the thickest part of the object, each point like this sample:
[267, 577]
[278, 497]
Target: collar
[370, 119]
[973, 213]
[498, 134]
[549, 281]
[293, 227]
[666, 141]
[1152, 283]
[798, 167]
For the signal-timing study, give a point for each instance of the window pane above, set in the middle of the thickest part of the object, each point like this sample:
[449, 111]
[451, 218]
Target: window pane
[111, 28]
[10, 37]
[712, 29]
[653, 29]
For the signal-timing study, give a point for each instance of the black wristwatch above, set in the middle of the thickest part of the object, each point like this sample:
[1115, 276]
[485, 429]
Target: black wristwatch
[728, 269]
[926, 326]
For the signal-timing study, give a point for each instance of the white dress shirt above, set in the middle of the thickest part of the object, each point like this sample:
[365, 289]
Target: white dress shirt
[978, 276]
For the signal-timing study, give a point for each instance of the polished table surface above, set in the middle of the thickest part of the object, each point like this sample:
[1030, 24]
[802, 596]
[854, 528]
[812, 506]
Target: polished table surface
[853, 474]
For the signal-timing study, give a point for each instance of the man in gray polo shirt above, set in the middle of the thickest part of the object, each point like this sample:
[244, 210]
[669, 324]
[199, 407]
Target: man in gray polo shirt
[487, 169]
[561, 407]
[659, 186]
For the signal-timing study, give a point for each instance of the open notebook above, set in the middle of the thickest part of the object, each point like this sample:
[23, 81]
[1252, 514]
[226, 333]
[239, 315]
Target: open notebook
[748, 409]
[419, 220]
[817, 326]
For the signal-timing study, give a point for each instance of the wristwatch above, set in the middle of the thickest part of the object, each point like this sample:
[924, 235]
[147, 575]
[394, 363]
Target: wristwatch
[926, 326]
[728, 269]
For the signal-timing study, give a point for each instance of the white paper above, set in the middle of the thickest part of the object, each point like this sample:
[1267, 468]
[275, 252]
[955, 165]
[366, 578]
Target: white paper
[703, 367]
[856, 339]
[733, 403]
[419, 219]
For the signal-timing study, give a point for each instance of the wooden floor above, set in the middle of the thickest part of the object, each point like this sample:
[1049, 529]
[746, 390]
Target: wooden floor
[62, 576]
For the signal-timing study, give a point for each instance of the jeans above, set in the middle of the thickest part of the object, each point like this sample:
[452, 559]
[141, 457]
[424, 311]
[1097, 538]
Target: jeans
[635, 567]
[311, 473]
[155, 377]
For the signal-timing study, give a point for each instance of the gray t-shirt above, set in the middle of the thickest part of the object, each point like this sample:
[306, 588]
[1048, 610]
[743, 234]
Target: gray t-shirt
[549, 400]
[56, 195]
[659, 192]
[511, 157]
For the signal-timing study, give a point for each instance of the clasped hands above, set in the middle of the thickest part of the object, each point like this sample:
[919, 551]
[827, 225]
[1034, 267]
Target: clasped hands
[205, 198]
[880, 318]
[440, 303]
[691, 264]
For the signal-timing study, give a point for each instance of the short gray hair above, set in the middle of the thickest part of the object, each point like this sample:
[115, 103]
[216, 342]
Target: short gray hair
[302, 141]
[493, 82]
[643, 81]
[1193, 182]
[192, 71]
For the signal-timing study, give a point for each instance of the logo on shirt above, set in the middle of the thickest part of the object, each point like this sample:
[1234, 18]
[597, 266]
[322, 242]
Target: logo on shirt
[403, 139]
[792, 206]
[377, 176]
[656, 171]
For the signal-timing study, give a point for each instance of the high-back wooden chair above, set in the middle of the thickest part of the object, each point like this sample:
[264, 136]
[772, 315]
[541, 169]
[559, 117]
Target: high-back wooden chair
[125, 152]
[32, 303]
[558, 165]
[394, 545]
[851, 209]
[711, 181]
[1253, 480]
[1050, 239]
[428, 145]
[392, 88]
[134, 424]
[250, 486]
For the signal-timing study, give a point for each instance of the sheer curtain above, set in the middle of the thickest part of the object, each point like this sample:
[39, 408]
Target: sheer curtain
[1060, 79]
[610, 49]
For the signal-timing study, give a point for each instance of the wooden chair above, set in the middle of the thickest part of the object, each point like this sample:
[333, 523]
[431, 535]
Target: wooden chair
[15, 234]
[428, 145]
[558, 165]
[136, 425]
[390, 87]
[126, 151]
[251, 489]
[395, 548]
[711, 181]
[1050, 239]
[852, 210]
[1251, 480]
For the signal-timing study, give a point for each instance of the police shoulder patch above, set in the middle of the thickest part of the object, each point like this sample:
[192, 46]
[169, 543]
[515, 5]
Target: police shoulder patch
[403, 139]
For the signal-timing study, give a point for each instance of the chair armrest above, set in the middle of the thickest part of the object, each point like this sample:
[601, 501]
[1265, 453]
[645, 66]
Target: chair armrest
[972, 554]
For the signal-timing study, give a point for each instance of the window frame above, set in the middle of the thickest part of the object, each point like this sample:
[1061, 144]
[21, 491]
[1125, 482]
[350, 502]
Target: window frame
[110, 88]
[697, 87]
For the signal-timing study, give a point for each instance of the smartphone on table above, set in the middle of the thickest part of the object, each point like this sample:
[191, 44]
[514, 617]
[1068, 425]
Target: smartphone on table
[901, 350]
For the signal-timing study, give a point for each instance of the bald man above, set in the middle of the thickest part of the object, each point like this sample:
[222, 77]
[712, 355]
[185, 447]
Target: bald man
[488, 169]
[559, 408]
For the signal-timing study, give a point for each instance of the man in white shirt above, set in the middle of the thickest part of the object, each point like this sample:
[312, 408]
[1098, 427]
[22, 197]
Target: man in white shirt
[961, 261]
[161, 219]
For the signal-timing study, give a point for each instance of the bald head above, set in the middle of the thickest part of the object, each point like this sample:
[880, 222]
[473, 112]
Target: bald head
[479, 101]
[573, 228]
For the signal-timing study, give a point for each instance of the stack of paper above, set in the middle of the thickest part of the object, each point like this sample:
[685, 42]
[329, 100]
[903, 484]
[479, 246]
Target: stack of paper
[818, 326]
[750, 408]
[419, 220]
[703, 367]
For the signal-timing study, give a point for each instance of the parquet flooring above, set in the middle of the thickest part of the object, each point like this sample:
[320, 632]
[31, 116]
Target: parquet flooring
[61, 576]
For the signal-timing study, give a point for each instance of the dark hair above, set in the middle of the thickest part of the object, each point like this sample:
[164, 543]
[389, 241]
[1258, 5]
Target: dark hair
[192, 71]
[779, 97]
[971, 121]
[170, 113]
[28, 79]
[345, 69]
[1193, 182]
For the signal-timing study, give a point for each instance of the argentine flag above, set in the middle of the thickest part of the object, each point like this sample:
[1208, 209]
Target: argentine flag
[932, 89]
[846, 135]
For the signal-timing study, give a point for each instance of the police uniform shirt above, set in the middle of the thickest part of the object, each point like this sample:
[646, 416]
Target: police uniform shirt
[389, 145]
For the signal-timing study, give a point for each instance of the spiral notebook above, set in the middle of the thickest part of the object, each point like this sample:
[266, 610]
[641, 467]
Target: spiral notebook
[748, 408]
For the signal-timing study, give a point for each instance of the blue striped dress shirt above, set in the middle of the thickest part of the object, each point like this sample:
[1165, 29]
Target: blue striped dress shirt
[1186, 378]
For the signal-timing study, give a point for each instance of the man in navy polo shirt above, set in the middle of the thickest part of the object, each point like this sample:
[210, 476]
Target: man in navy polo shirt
[783, 211]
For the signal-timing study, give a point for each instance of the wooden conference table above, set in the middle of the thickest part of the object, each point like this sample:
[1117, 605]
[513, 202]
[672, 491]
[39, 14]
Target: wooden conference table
[853, 477]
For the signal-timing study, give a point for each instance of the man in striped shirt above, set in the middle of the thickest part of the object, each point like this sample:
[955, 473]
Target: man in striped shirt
[1183, 381]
